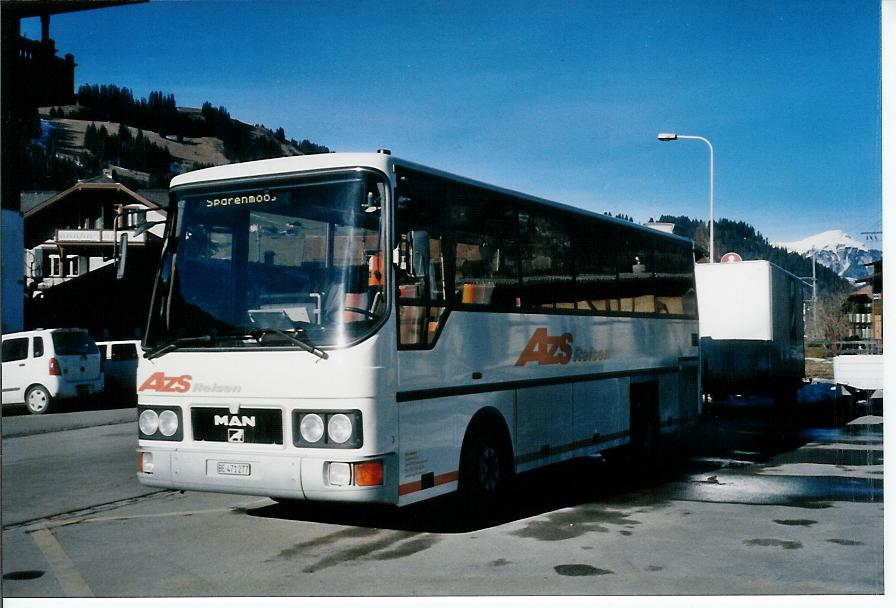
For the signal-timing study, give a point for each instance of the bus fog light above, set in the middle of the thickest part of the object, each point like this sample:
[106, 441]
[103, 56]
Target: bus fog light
[339, 428]
[149, 422]
[312, 428]
[168, 423]
[369, 473]
[340, 474]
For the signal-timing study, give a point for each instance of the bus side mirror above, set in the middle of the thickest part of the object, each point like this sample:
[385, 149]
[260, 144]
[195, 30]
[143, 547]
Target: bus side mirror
[419, 254]
[122, 258]
[412, 254]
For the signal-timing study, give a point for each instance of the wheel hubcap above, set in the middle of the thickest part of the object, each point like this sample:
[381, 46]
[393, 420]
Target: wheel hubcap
[489, 469]
[37, 401]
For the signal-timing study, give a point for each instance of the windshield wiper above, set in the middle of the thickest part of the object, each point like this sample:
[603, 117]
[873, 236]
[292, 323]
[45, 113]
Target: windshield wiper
[256, 335]
[302, 343]
[179, 343]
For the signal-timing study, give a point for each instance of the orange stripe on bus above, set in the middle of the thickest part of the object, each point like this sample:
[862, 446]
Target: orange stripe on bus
[417, 486]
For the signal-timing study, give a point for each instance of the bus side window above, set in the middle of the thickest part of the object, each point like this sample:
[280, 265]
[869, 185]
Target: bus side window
[595, 251]
[546, 257]
[485, 251]
[636, 273]
[420, 209]
[674, 278]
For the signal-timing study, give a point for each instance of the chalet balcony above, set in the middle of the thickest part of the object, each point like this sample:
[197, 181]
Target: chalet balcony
[88, 236]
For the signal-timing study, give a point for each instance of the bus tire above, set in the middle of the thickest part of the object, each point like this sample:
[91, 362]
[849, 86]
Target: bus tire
[647, 448]
[38, 400]
[485, 473]
[785, 397]
[644, 449]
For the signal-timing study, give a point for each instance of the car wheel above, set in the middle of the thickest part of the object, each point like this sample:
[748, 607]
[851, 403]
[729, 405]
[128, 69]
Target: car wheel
[38, 400]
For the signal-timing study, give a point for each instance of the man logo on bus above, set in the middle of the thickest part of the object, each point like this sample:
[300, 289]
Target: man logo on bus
[545, 349]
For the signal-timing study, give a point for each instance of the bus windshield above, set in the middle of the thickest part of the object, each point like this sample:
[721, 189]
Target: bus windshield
[272, 264]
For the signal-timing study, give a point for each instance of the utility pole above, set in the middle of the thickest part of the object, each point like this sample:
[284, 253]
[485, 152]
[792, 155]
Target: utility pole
[814, 299]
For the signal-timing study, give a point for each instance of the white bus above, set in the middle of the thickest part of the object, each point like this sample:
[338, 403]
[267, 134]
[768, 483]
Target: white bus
[355, 327]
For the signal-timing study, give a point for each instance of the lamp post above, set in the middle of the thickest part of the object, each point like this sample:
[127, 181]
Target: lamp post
[673, 137]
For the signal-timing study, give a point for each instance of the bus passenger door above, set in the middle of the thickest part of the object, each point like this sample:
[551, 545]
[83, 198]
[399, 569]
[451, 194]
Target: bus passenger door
[543, 423]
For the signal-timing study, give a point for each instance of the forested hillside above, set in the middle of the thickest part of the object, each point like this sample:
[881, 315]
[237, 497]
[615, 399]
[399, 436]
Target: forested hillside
[108, 126]
[743, 239]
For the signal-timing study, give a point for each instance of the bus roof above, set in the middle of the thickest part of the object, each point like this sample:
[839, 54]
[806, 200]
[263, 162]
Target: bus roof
[385, 162]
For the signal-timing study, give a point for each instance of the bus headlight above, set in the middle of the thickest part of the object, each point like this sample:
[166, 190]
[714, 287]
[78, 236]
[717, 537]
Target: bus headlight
[149, 422]
[311, 428]
[327, 429]
[160, 423]
[168, 423]
[339, 428]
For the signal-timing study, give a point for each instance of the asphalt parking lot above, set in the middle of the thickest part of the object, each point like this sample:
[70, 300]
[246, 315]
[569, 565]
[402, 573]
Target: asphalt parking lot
[755, 506]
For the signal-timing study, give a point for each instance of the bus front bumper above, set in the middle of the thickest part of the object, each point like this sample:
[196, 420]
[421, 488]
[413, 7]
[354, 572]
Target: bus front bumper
[367, 479]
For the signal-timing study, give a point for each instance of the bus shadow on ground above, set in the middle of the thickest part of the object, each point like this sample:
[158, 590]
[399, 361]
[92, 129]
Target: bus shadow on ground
[729, 433]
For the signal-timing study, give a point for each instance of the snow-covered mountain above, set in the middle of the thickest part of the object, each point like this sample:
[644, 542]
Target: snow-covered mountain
[838, 251]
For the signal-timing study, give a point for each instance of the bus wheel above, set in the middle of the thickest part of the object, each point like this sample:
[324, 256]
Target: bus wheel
[644, 450]
[485, 472]
[38, 400]
[644, 415]
[785, 397]
[648, 445]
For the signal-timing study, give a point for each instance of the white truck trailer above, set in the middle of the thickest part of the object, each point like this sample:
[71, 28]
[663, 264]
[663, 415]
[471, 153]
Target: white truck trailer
[860, 378]
[751, 329]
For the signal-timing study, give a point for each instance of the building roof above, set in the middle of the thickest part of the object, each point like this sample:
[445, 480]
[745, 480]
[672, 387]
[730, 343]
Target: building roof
[862, 291]
[22, 10]
[32, 198]
[874, 281]
[99, 183]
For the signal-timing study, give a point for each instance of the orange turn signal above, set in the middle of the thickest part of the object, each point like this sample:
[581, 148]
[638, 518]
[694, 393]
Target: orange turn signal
[144, 463]
[369, 473]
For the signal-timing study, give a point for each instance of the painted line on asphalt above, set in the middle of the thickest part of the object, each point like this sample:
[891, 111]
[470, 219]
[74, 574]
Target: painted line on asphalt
[62, 567]
[48, 519]
[87, 519]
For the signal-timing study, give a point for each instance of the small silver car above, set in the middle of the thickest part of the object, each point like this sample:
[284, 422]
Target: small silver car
[44, 365]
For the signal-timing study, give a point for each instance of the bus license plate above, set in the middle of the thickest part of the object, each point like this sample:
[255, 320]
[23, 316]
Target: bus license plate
[234, 468]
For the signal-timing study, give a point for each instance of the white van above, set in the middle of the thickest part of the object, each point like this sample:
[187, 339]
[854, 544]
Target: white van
[44, 365]
[120, 367]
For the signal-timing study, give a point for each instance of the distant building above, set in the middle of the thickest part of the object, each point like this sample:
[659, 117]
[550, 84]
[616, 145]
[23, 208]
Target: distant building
[865, 305]
[77, 231]
[71, 241]
[668, 227]
[859, 313]
[31, 75]
[871, 299]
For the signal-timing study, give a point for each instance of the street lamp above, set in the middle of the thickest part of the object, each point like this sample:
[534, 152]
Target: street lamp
[673, 137]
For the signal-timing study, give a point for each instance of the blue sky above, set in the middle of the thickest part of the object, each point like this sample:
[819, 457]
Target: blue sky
[563, 100]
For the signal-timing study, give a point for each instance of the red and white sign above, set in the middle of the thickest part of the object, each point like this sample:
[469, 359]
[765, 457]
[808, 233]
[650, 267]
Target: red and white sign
[731, 258]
